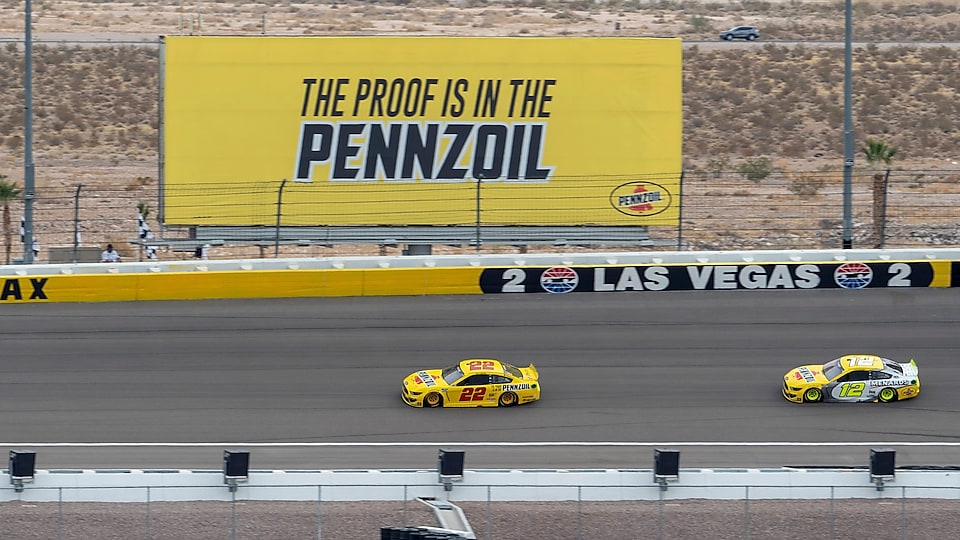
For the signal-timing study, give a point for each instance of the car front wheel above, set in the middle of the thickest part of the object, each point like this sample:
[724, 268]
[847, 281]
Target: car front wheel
[433, 400]
[727, 37]
[887, 395]
[751, 37]
[508, 399]
[812, 395]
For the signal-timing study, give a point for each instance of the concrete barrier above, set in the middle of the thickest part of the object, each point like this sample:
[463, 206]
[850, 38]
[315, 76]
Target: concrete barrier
[479, 274]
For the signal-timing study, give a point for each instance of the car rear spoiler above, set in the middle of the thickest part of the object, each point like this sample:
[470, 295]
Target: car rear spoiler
[536, 374]
[910, 368]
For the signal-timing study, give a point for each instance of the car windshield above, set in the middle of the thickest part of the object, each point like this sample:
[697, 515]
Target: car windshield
[832, 369]
[452, 374]
[512, 370]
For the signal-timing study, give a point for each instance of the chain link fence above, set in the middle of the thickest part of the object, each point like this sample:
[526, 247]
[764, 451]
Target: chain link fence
[747, 512]
[718, 211]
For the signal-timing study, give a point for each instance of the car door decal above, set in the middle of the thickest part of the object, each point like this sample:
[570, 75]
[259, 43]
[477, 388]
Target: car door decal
[473, 393]
[851, 390]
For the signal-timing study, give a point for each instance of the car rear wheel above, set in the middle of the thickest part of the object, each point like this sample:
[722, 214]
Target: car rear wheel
[433, 400]
[508, 399]
[887, 395]
[812, 395]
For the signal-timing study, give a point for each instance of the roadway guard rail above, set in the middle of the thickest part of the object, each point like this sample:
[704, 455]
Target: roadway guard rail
[480, 274]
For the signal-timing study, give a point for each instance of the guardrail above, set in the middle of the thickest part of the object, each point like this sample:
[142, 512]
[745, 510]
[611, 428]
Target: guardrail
[485, 261]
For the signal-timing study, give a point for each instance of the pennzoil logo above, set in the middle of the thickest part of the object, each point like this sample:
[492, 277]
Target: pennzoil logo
[640, 199]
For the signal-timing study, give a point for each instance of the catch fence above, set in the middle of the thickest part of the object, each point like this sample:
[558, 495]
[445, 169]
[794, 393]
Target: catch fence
[830, 512]
[717, 211]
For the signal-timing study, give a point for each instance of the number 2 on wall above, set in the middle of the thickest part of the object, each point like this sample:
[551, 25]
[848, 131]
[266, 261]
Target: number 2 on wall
[473, 394]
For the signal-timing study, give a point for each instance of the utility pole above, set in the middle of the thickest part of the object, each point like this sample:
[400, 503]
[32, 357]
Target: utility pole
[28, 181]
[848, 142]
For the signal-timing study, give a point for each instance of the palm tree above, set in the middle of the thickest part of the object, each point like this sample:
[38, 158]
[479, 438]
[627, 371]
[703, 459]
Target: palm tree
[8, 192]
[878, 152]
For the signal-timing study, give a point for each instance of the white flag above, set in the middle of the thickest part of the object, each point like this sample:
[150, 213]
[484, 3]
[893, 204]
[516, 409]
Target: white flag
[144, 227]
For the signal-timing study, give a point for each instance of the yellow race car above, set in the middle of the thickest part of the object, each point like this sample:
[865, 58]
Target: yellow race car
[475, 382]
[854, 378]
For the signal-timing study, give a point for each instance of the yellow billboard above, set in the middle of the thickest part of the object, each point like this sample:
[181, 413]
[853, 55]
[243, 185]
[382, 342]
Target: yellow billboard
[421, 130]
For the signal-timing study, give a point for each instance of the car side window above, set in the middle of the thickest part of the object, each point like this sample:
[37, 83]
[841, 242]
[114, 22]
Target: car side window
[879, 375]
[475, 380]
[499, 379]
[855, 376]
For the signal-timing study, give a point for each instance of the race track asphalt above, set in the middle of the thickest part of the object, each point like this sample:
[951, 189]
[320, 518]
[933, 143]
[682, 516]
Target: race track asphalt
[655, 369]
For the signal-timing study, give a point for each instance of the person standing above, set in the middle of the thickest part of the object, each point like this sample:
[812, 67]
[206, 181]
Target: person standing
[110, 255]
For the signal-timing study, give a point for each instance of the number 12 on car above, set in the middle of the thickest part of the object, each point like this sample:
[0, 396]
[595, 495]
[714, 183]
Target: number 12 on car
[852, 389]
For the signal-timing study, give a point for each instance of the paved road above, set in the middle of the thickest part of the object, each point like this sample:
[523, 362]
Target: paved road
[648, 368]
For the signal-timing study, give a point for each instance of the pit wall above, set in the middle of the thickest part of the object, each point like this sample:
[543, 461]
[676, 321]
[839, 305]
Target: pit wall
[478, 485]
[480, 274]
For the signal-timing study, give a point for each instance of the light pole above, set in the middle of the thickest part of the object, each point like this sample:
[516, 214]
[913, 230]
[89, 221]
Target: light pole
[28, 182]
[848, 142]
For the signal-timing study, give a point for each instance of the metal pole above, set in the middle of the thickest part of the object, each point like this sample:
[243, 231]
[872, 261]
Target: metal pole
[76, 223]
[848, 149]
[199, 18]
[660, 517]
[479, 181]
[28, 180]
[883, 210]
[833, 525]
[319, 512]
[579, 512]
[149, 532]
[680, 216]
[59, 513]
[746, 512]
[488, 514]
[903, 513]
[276, 240]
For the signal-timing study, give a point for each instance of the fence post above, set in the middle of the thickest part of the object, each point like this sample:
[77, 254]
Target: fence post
[149, 532]
[883, 209]
[276, 239]
[319, 512]
[579, 512]
[405, 496]
[76, 223]
[233, 515]
[479, 182]
[833, 525]
[903, 512]
[680, 215]
[746, 512]
[488, 513]
[59, 513]
[660, 516]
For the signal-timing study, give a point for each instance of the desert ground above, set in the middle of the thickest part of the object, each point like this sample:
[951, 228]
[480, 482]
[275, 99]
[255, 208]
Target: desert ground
[777, 101]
